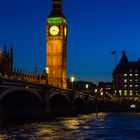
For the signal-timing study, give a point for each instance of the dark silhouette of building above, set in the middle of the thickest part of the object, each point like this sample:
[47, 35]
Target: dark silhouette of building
[7, 69]
[126, 78]
[82, 86]
[6, 61]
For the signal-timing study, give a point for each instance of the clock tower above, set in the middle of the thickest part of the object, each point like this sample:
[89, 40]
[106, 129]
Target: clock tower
[56, 45]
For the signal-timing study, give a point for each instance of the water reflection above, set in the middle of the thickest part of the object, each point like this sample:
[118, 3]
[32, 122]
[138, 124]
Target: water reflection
[102, 126]
[69, 127]
[71, 123]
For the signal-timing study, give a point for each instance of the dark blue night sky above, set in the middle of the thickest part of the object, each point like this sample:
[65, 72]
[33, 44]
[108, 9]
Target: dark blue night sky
[96, 28]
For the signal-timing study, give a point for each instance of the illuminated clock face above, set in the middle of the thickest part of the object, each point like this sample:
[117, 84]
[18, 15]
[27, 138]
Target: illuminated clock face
[54, 30]
[65, 31]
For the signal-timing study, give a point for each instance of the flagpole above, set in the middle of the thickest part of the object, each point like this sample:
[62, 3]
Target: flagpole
[115, 59]
[115, 54]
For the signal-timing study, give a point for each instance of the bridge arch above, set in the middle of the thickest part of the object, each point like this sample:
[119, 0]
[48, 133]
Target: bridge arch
[21, 102]
[60, 104]
[136, 99]
[124, 100]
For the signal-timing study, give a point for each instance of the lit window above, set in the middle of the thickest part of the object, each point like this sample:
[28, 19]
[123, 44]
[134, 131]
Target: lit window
[136, 85]
[125, 74]
[136, 74]
[120, 94]
[108, 88]
[130, 80]
[125, 80]
[131, 93]
[131, 85]
[125, 93]
[96, 90]
[125, 86]
[120, 91]
[130, 74]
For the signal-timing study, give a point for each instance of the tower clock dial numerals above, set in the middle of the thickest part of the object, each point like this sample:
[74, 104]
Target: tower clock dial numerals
[65, 31]
[54, 30]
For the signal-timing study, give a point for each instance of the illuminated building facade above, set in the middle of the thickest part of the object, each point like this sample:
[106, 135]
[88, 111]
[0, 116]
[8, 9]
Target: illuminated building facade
[82, 86]
[104, 89]
[56, 45]
[126, 78]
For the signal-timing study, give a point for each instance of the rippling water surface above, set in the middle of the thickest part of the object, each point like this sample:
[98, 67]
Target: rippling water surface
[104, 126]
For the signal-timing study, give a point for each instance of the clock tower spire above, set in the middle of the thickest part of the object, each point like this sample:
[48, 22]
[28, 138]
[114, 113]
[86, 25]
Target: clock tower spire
[56, 45]
[57, 10]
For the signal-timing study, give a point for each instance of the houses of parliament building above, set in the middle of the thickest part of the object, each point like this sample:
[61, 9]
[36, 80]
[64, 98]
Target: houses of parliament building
[7, 69]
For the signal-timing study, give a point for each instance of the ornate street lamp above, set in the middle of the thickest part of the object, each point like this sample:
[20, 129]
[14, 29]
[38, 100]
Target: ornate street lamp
[72, 79]
[47, 72]
[87, 86]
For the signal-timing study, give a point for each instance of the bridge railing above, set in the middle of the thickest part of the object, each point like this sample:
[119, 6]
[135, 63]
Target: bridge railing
[26, 84]
[18, 83]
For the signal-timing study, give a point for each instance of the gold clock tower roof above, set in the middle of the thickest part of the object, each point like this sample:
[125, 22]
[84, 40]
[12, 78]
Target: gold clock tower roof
[56, 9]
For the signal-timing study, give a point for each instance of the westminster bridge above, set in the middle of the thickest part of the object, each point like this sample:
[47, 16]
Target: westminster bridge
[26, 99]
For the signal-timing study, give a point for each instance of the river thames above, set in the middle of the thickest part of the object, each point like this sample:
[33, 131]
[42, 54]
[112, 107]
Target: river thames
[101, 126]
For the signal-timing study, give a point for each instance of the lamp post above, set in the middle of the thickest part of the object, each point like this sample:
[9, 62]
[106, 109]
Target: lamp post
[47, 72]
[87, 86]
[96, 100]
[72, 79]
[115, 54]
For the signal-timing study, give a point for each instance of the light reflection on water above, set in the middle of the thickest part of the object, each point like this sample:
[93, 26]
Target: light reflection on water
[104, 126]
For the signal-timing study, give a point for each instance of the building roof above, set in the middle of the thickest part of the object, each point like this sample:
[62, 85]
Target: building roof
[57, 10]
[127, 66]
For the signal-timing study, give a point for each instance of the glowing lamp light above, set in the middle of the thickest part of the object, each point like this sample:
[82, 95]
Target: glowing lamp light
[47, 70]
[133, 106]
[87, 86]
[102, 93]
[26, 87]
[72, 79]
[96, 90]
